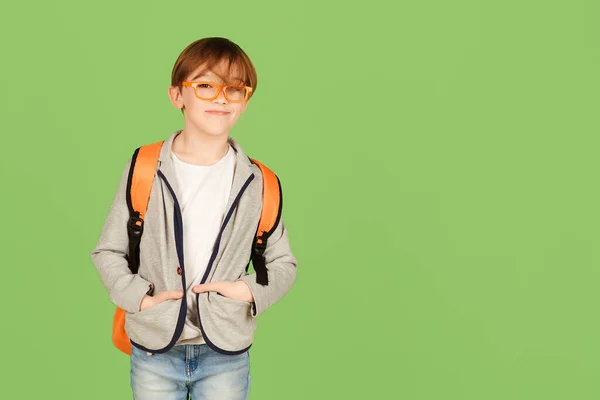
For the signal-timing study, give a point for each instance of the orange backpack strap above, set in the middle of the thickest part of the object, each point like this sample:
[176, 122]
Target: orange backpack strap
[269, 219]
[139, 183]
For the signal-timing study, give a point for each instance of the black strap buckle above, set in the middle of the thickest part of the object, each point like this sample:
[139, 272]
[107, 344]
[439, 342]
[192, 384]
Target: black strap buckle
[133, 228]
[260, 247]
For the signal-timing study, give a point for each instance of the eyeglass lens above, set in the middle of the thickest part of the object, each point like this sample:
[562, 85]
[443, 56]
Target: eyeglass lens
[209, 91]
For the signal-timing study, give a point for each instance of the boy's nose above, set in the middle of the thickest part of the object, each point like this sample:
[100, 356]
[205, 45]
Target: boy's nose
[221, 97]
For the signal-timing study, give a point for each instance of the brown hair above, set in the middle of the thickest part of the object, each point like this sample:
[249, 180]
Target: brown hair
[210, 52]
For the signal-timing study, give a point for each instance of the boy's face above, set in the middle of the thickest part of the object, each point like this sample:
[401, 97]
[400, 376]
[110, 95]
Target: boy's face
[200, 114]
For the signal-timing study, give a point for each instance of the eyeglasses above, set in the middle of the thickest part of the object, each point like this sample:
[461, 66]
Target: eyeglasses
[211, 90]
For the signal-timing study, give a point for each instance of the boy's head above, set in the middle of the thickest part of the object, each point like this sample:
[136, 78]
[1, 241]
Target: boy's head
[201, 71]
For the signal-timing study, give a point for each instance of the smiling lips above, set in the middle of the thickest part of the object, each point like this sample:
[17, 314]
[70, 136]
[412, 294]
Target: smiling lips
[217, 112]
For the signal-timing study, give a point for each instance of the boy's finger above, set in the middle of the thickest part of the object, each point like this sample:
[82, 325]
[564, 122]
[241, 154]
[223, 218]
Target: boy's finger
[170, 295]
[206, 287]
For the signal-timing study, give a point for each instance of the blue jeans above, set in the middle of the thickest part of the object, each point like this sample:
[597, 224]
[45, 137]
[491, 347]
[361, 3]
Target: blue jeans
[193, 369]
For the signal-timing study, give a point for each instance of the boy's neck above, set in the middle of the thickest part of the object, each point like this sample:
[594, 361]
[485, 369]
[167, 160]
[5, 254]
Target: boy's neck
[198, 148]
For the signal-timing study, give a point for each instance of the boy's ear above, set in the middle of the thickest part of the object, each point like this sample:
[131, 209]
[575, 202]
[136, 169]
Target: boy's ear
[175, 96]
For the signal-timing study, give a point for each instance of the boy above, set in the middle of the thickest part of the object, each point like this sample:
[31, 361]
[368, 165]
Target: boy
[191, 308]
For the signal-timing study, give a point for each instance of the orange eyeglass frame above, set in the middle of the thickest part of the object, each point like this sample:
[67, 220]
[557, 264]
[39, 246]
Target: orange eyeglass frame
[219, 90]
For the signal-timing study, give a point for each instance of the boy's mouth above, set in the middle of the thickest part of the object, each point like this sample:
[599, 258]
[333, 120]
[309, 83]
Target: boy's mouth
[217, 112]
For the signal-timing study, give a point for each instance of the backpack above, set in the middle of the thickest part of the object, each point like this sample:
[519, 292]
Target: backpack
[139, 184]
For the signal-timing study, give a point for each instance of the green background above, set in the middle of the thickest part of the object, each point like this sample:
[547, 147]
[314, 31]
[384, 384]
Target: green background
[440, 175]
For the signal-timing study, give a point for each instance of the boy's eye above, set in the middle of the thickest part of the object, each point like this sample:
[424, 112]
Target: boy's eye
[205, 86]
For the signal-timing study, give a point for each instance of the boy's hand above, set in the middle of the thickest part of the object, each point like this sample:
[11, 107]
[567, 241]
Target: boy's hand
[237, 290]
[150, 301]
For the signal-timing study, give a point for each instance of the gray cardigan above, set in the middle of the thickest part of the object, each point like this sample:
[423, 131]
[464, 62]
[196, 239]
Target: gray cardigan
[227, 325]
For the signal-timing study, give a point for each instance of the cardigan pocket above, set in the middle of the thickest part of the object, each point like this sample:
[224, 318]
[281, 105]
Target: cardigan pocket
[227, 323]
[155, 326]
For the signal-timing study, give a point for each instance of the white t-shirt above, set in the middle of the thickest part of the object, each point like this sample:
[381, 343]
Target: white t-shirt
[204, 192]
